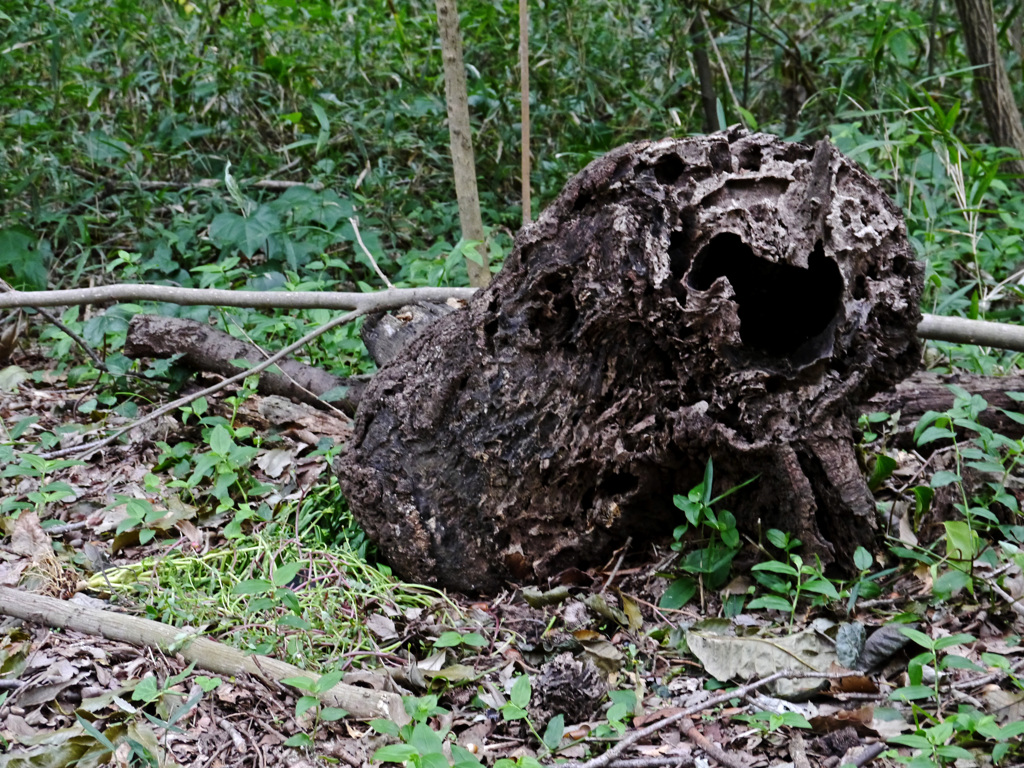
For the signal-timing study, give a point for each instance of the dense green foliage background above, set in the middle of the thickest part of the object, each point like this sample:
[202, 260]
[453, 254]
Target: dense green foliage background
[111, 112]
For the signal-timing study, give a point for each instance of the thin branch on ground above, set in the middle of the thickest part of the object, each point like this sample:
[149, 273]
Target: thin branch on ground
[364, 703]
[713, 751]
[798, 751]
[666, 761]
[868, 754]
[605, 760]
[618, 565]
[991, 677]
[281, 354]
[1014, 602]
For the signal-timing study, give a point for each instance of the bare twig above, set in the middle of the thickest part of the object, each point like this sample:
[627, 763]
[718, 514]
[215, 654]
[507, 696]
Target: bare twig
[721, 65]
[366, 251]
[991, 677]
[868, 754]
[460, 133]
[953, 329]
[1015, 603]
[606, 759]
[618, 565]
[60, 530]
[390, 299]
[963, 331]
[798, 751]
[665, 761]
[713, 751]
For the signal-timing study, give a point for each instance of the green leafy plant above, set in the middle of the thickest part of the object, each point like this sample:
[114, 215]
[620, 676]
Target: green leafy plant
[928, 663]
[618, 715]
[419, 744]
[788, 581]
[770, 722]
[943, 741]
[310, 702]
[273, 593]
[451, 639]
[707, 564]
[988, 453]
[866, 585]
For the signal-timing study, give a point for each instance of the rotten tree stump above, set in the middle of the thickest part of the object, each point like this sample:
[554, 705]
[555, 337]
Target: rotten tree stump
[732, 296]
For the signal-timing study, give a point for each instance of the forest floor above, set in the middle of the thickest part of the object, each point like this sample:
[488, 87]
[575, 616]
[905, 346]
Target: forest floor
[560, 674]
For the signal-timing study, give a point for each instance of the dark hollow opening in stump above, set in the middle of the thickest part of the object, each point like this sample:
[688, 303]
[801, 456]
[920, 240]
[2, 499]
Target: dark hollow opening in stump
[781, 307]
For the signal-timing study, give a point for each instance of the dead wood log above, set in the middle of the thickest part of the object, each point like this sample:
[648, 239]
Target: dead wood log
[207, 349]
[923, 392]
[731, 296]
[207, 654]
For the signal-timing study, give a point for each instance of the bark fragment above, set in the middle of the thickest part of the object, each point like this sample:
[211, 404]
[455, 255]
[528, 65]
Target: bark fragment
[732, 296]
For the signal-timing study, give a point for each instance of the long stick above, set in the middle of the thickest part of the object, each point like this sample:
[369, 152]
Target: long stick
[362, 703]
[959, 330]
[379, 300]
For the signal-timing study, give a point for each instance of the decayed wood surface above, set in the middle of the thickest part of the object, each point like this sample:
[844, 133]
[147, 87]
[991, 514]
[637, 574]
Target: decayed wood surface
[733, 296]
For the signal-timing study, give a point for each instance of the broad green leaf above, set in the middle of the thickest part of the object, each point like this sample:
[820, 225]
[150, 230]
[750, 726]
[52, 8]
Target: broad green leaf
[959, 639]
[943, 478]
[774, 566]
[328, 680]
[862, 559]
[821, 587]
[962, 542]
[284, 574]
[521, 690]
[252, 587]
[912, 693]
[425, 739]
[770, 602]
[386, 727]
[302, 683]
[463, 758]
[678, 594]
[553, 732]
[304, 704]
[221, 442]
[918, 637]
[395, 753]
[448, 640]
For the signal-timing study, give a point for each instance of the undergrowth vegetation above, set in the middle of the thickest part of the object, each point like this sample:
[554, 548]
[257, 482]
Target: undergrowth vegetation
[264, 145]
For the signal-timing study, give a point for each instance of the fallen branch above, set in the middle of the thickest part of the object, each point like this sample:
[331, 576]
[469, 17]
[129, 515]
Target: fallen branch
[202, 347]
[712, 750]
[960, 330]
[933, 327]
[367, 302]
[361, 703]
[279, 355]
[608, 758]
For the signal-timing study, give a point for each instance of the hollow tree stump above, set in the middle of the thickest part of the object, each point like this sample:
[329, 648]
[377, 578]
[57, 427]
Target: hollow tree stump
[732, 296]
